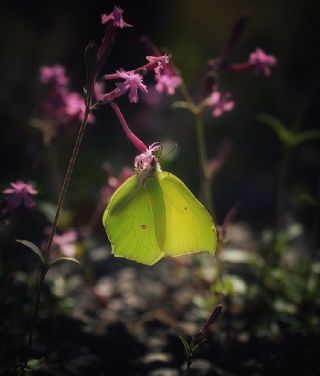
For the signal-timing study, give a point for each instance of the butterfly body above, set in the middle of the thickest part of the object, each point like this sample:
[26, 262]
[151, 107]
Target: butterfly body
[153, 214]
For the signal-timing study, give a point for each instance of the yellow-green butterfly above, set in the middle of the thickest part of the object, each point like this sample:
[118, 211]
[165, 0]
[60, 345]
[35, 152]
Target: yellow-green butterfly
[153, 214]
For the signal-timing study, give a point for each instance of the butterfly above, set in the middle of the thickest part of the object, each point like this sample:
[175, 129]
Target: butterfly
[153, 214]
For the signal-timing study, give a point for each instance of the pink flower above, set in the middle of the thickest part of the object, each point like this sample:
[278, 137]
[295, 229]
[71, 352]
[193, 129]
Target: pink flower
[99, 90]
[54, 75]
[65, 242]
[167, 83]
[20, 194]
[132, 83]
[74, 104]
[262, 62]
[116, 18]
[113, 183]
[145, 160]
[159, 62]
[219, 102]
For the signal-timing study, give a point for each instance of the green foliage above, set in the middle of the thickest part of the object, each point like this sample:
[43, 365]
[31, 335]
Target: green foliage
[64, 258]
[34, 248]
[288, 137]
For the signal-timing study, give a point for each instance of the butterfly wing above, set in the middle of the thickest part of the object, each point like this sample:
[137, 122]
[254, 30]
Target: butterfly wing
[189, 227]
[129, 220]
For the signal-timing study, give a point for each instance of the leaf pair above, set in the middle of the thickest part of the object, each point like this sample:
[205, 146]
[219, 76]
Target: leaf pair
[35, 249]
[290, 138]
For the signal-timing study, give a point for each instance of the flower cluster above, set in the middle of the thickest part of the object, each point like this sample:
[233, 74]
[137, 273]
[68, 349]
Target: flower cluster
[60, 107]
[20, 194]
[65, 243]
[258, 61]
[261, 62]
[219, 102]
[112, 182]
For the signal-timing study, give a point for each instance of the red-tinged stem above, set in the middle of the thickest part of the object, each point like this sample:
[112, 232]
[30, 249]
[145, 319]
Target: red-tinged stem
[236, 32]
[241, 67]
[131, 136]
[66, 181]
[141, 70]
[45, 265]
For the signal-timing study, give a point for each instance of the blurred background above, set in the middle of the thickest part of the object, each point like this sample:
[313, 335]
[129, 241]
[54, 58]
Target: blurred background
[35, 33]
[109, 307]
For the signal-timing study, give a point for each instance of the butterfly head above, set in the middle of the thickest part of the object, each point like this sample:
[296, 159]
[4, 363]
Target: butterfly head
[147, 162]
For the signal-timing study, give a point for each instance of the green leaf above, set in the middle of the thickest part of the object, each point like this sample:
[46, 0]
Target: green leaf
[72, 259]
[185, 344]
[306, 197]
[283, 133]
[185, 105]
[35, 364]
[305, 136]
[33, 248]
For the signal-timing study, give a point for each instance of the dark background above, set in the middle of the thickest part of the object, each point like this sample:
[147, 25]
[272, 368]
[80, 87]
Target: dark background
[35, 33]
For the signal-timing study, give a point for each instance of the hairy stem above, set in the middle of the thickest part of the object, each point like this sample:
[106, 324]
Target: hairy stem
[66, 181]
[44, 266]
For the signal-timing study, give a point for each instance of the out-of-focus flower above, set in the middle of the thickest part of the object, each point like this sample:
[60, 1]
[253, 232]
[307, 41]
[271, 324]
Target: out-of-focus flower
[99, 90]
[167, 83]
[219, 102]
[20, 194]
[112, 183]
[74, 104]
[132, 83]
[167, 78]
[145, 160]
[60, 107]
[262, 62]
[159, 62]
[215, 164]
[65, 242]
[54, 75]
[116, 18]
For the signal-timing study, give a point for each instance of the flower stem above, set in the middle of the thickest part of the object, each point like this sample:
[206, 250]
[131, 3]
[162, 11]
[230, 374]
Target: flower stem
[45, 265]
[281, 194]
[66, 181]
[202, 150]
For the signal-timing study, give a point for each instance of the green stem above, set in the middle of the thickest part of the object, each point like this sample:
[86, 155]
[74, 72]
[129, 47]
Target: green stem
[202, 150]
[281, 194]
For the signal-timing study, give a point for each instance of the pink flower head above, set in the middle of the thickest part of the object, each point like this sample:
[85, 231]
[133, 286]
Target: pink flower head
[159, 62]
[99, 90]
[145, 160]
[168, 83]
[113, 183]
[54, 75]
[219, 102]
[132, 83]
[20, 193]
[65, 242]
[262, 62]
[116, 18]
[74, 104]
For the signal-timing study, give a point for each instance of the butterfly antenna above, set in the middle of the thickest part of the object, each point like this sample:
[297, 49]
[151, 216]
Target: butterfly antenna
[175, 145]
